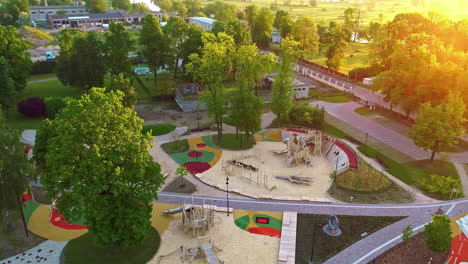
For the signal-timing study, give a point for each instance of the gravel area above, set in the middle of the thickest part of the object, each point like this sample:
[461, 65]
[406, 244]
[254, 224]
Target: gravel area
[46, 253]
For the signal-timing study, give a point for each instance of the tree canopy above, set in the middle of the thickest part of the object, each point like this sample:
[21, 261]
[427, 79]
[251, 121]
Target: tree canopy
[263, 27]
[118, 45]
[99, 168]
[439, 126]
[176, 32]
[438, 234]
[304, 31]
[96, 6]
[121, 83]
[154, 45]
[11, 9]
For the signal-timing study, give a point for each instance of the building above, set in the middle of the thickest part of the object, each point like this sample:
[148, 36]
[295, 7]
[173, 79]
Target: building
[275, 36]
[41, 12]
[100, 19]
[203, 22]
[301, 89]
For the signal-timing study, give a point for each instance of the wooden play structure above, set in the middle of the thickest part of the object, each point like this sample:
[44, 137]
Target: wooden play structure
[198, 218]
[247, 166]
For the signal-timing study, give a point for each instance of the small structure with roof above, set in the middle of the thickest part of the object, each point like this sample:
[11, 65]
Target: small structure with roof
[275, 36]
[301, 89]
[187, 97]
[142, 71]
[203, 22]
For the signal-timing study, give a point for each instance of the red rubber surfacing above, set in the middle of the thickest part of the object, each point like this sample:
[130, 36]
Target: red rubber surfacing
[201, 145]
[195, 167]
[25, 197]
[59, 220]
[195, 154]
[266, 231]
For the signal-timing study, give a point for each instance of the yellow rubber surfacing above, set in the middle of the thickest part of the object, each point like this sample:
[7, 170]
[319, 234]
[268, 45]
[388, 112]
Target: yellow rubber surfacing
[40, 225]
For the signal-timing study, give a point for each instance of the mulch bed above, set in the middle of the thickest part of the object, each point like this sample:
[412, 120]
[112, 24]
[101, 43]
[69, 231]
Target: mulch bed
[412, 252]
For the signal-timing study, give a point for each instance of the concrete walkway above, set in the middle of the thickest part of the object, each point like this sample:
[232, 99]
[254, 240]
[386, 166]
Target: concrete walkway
[44, 80]
[47, 252]
[463, 177]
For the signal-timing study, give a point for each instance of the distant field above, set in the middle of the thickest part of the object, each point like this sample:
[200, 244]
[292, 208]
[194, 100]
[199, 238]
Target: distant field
[332, 11]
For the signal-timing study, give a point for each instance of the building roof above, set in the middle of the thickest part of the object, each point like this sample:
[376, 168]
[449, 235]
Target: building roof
[204, 20]
[109, 14]
[58, 7]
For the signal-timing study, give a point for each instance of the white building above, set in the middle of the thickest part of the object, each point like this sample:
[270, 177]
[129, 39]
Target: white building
[203, 22]
[275, 36]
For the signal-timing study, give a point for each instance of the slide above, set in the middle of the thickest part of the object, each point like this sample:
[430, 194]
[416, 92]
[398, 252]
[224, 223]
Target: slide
[279, 152]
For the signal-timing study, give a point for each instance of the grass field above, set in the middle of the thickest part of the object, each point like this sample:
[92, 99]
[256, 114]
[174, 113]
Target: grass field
[333, 11]
[158, 130]
[82, 250]
[37, 77]
[233, 142]
[40, 89]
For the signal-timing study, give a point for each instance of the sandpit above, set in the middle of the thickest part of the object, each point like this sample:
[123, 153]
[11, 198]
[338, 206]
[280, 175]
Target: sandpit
[238, 246]
[271, 165]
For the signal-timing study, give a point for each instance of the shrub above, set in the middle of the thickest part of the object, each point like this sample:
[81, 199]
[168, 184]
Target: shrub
[306, 115]
[42, 67]
[32, 107]
[55, 104]
[158, 130]
[438, 234]
[407, 233]
[441, 184]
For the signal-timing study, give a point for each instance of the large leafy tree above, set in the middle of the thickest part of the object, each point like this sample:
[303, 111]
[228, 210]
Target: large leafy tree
[64, 66]
[99, 168]
[236, 29]
[87, 61]
[13, 50]
[7, 87]
[176, 32]
[117, 47]
[221, 10]
[251, 66]
[246, 111]
[96, 6]
[16, 171]
[262, 27]
[192, 44]
[121, 4]
[251, 12]
[304, 31]
[438, 234]
[439, 126]
[10, 11]
[284, 23]
[281, 99]
[335, 40]
[153, 43]
[121, 83]
[211, 68]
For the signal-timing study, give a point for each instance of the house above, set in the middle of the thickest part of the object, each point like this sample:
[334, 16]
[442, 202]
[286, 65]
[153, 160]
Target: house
[41, 12]
[203, 22]
[187, 97]
[301, 89]
[93, 20]
[275, 36]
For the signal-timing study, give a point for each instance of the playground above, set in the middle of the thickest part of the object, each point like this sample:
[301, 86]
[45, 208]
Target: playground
[200, 233]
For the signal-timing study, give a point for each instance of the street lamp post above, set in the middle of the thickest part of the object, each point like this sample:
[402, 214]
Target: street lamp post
[227, 194]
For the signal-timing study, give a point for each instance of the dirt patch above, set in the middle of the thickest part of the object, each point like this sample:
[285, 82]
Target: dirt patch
[413, 252]
[15, 242]
[180, 185]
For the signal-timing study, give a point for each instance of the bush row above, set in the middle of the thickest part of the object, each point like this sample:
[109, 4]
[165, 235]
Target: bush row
[37, 107]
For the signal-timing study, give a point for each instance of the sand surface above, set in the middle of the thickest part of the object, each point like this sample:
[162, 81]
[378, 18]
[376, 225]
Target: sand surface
[271, 165]
[237, 246]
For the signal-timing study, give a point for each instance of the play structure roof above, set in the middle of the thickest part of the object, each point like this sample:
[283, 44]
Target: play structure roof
[28, 137]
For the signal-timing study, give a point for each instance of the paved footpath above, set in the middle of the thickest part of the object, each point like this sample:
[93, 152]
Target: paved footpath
[365, 249]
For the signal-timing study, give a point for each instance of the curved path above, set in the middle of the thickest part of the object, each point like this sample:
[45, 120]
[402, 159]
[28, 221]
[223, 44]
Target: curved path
[365, 249]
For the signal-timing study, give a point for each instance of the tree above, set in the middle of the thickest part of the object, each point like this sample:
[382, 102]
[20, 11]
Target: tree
[140, 8]
[16, 171]
[123, 84]
[349, 22]
[251, 12]
[181, 171]
[96, 6]
[439, 126]
[313, 3]
[407, 233]
[87, 61]
[221, 10]
[250, 66]
[121, 4]
[176, 32]
[246, 111]
[262, 27]
[304, 31]
[438, 234]
[192, 44]
[236, 29]
[7, 87]
[283, 23]
[180, 9]
[118, 46]
[64, 65]
[23, 19]
[335, 39]
[153, 43]
[281, 94]
[13, 50]
[10, 11]
[374, 31]
[211, 69]
[90, 172]
[193, 7]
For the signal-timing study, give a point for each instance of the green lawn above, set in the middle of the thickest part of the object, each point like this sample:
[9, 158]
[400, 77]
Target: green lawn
[233, 142]
[326, 246]
[331, 96]
[175, 146]
[41, 89]
[395, 194]
[364, 111]
[414, 172]
[81, 250]
[158, 130]
[38, 77]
